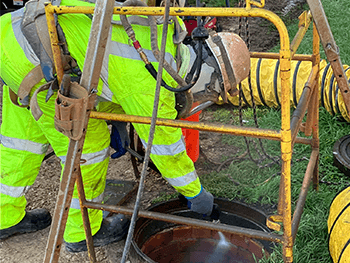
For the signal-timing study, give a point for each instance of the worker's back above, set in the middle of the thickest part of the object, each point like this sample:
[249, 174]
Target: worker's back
[122, 71]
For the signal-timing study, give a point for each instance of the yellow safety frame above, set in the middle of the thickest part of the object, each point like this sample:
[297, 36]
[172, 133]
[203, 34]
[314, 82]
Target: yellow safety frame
[290, 125]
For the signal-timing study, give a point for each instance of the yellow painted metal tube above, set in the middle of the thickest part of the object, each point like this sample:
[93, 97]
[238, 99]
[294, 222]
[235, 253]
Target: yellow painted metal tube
[260, 4]
[187, 11]
[271, 55]
[285, 66]
[220, 128]
[56, 50]
[304, 23]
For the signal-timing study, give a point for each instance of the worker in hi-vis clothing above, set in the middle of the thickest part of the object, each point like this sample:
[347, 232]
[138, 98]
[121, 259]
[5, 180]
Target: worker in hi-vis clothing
[125, 86]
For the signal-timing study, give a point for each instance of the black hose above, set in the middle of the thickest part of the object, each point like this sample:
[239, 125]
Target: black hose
[197, 66]
[196, 76]
[325, 72]
[275, 75]
[150, 139]
[185, 91]
[258, 82]
[154, 43]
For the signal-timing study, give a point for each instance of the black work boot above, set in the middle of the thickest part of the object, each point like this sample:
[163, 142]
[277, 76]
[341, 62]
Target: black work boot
[34, 220]
[113, 229]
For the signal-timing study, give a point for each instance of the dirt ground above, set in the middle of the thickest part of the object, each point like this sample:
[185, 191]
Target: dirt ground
[30, 248]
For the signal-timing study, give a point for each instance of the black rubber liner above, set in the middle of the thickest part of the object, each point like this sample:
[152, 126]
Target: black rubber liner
[341, 154]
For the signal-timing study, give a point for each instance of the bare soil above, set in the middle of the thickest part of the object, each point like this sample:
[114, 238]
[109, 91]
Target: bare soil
[30, 248]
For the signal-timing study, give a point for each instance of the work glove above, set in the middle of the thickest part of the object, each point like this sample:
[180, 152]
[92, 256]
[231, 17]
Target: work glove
[202, 204]
[119, 139]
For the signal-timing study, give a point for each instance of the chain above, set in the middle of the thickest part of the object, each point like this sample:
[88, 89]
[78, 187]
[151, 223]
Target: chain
[250, 143]
[275, 160]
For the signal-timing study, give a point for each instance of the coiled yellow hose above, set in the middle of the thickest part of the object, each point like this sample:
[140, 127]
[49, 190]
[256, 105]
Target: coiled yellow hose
[266, 85]
[339, 227]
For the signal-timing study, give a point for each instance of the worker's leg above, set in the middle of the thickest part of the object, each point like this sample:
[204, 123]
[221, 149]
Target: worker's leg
[168, 151]
[94, 169]
[23, 147]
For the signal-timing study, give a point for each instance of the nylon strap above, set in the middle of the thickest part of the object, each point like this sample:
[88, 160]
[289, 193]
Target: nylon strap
[228, 67]
[14, 99]
[34, 28]
[34, 106]
[33, 14]
[30, 80]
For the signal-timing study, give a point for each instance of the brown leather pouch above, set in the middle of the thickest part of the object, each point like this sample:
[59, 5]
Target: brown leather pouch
[72, 111]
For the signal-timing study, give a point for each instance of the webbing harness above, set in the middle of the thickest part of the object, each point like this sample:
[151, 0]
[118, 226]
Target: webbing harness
[34, 28]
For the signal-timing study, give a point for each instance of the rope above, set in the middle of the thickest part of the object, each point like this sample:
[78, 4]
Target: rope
[264, 155]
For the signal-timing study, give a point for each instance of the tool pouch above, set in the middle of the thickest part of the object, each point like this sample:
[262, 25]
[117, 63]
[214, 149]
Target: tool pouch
[72, 112]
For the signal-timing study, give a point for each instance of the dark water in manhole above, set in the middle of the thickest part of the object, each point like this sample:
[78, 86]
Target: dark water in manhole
[164, 242]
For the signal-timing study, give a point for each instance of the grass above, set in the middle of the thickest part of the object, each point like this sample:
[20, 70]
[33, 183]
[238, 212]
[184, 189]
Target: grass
[311, 242]
[336, 12]
[245, 180]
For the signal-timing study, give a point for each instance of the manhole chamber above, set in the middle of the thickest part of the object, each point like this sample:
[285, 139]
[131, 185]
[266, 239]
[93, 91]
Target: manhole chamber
[164, 242]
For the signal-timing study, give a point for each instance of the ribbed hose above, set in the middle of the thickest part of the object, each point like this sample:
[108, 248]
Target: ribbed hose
[127, 27]
[338, 227]
[266, 85]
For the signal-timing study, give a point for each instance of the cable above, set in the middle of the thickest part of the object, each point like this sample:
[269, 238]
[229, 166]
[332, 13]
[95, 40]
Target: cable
[151, 135]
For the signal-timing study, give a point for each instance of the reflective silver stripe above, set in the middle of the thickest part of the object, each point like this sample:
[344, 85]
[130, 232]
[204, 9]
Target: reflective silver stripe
[13, 191]
[91, 158]
[23, 145]
[16, 18]
[171, 149]
[76, 205]
[126, 51]
[183, 180]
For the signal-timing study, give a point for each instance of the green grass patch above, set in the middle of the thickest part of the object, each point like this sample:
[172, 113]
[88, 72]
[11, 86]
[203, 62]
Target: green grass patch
[338, 17]
[244, 180]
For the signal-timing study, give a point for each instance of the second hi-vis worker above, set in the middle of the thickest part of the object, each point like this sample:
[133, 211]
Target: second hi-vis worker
[124, 86]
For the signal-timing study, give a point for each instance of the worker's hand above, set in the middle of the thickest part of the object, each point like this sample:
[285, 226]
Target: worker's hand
[203, 204]
[119, 139]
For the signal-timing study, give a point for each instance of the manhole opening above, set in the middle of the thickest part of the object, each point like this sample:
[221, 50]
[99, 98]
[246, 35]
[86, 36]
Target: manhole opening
[164, 242]
[188, 244]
